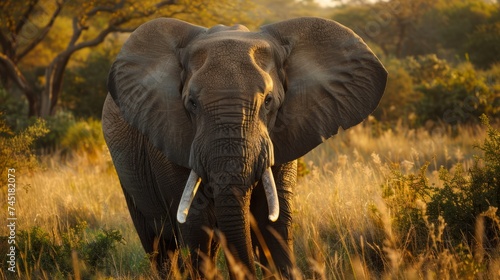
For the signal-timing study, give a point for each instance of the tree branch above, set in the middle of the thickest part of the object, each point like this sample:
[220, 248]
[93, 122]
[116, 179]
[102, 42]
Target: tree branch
[14, 72]
[110, 10]
[77, 32]
[94, 42]
[25, 16]
[165, 3]
[6, 44]
[44, 31]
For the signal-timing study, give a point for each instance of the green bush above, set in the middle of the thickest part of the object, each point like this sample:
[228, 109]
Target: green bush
[84, 88]
[96, 253]
[84, 138]
[418, 207]
[457, 96]
[58, 126]
[425, 69]
[426, 88]
[44, 254]
[465, 195]
[16, 149]
[403, 194]
[14, 109]
[399, 96]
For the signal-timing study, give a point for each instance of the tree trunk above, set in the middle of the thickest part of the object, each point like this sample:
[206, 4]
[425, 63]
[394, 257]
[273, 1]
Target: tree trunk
[54, 75]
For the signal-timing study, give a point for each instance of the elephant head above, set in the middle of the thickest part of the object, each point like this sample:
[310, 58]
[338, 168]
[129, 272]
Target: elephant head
[228, 103]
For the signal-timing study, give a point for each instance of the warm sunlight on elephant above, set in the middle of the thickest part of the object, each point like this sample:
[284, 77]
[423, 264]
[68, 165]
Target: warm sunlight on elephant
[204, 127]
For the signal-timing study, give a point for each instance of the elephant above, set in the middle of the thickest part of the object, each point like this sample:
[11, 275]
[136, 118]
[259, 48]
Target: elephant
[205, 126]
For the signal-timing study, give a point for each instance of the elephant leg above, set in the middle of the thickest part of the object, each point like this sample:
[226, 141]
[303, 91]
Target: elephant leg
[152, 185]
[277, 235]
[156, 246]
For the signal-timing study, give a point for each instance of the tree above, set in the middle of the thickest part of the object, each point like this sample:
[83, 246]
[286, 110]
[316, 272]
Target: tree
[392, 24]
[26, 24]
[451, 28]
[472, 27]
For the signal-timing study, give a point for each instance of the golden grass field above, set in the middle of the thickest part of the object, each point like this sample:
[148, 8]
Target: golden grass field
[343, 226]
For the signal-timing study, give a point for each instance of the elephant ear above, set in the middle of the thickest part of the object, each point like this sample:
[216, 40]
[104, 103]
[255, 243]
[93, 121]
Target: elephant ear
[145, 83]
[332, 80]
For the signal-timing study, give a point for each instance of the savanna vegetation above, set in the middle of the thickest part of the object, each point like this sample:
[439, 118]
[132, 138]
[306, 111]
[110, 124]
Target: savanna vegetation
[412, 193]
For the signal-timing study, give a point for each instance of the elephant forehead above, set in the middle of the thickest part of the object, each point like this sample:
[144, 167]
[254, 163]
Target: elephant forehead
[232, 61]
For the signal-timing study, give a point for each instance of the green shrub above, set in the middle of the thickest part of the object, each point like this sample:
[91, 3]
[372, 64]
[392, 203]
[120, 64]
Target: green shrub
[84, 138]
[16, 149]
[15, 110]
[426, 69]
[96, 253]
[457, 96]
[55, 255]
[466, 195]
[58, 126]
[84, 88]
[399, 96]
[418, 207]
[404, 194]
[302, 169]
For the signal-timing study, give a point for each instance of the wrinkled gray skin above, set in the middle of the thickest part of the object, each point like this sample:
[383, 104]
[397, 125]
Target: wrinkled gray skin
[227, 104]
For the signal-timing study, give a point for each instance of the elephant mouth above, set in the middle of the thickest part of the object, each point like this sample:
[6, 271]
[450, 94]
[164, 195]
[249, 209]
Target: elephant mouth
[194, 181]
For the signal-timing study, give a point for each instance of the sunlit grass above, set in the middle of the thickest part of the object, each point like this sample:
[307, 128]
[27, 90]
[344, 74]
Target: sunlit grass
[342, 226]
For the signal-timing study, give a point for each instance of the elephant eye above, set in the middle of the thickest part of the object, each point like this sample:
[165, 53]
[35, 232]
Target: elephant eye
[193, 103]
[268, 100]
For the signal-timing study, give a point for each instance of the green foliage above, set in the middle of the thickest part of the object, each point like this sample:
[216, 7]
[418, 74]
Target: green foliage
[14, 110]
[425, 69]
[462, 196]
[471, 27]
[97, 252]
[466, 195]
[404, 193]
[484, 45]
[426, 88]
[73, 137]
[302, 169]
[399, 96]
[58, 125]
[455, 203]
[84, 88]
[457, 96]
[39, 254]
[451, 29]
[84, 138]
[16, 149]
[44, 254]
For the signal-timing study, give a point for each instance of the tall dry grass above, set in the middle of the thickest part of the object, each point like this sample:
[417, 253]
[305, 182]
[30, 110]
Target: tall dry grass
[343, 227]
[64, 193]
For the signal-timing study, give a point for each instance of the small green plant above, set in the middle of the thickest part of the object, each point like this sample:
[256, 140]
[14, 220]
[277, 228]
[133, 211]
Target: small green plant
[302, 169]
[403, 194]
[96, 253]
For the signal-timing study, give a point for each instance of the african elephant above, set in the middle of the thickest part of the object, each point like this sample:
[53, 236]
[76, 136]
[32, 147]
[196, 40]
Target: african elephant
[204, 126]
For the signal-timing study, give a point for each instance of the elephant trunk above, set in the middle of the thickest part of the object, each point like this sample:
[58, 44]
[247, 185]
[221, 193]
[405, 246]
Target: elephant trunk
[232, 210]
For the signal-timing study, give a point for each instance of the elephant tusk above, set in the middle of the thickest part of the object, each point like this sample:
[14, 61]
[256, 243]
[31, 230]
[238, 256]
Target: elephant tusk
[192, 185]
[271, 194]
